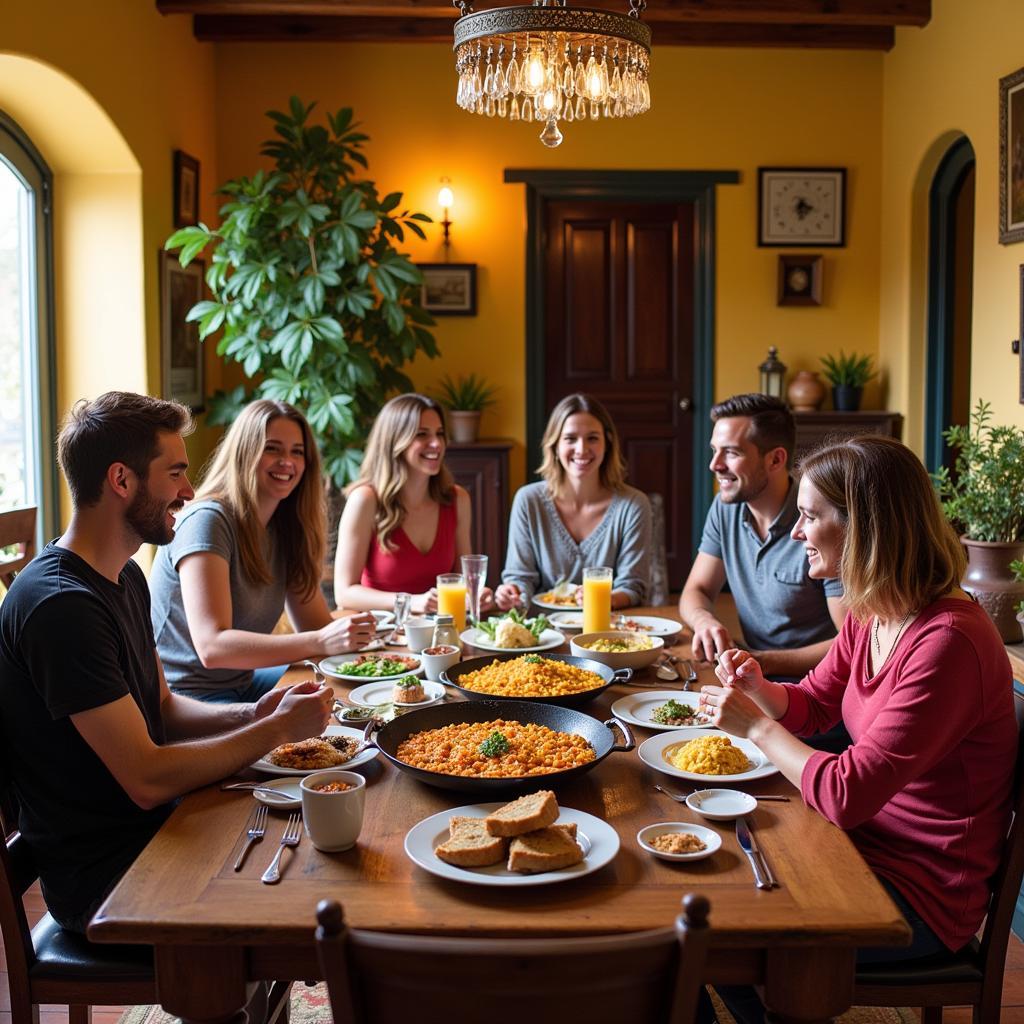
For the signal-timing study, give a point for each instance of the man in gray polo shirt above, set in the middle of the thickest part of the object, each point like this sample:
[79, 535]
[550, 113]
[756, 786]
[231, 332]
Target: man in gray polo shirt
[788, 619]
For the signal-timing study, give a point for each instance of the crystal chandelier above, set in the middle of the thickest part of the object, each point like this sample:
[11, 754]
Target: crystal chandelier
[550, 63]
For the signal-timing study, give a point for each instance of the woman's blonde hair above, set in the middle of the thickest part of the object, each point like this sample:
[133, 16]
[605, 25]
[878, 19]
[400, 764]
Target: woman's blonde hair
[613, 466]
[900, 552]
[385, 469]
[298, 522]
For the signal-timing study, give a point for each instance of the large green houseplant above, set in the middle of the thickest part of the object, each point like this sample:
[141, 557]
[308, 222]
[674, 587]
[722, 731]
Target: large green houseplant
[984, 496]
[313, 296]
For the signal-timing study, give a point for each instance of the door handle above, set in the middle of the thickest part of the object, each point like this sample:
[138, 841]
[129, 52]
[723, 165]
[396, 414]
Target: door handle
[685, 404]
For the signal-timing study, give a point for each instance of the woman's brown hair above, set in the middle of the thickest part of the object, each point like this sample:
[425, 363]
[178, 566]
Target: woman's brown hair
[613, 467]
[385, 469]
[298, 522]
[900, 553]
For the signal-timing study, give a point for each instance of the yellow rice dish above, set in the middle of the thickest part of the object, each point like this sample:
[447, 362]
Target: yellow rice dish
[619, 644]
[709, 755]
[530, 676]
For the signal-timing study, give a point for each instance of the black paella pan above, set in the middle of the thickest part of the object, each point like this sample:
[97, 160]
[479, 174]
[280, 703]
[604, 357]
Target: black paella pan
[452, 675]
[598, 734]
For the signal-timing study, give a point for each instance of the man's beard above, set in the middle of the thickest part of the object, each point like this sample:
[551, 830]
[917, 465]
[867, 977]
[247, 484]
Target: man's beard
[148, 517]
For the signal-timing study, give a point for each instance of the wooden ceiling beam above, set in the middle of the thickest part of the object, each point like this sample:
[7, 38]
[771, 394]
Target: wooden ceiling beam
[768, 12]
[376, 28]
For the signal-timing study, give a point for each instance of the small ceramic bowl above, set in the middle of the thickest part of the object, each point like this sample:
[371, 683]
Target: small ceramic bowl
[721, 804]
[435, 664]
[419, 632]
[618, 659]
[708, 836]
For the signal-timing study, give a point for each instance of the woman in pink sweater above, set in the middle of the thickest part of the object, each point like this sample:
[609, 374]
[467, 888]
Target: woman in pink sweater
[920, 678]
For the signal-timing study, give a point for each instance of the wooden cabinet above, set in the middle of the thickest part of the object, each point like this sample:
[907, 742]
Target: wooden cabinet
[482, 468]
[814, 428]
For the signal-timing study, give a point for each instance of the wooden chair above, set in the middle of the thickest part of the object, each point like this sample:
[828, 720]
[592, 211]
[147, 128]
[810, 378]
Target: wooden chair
[17, 529]
[975, 977]
[660, 586]
[645, 977]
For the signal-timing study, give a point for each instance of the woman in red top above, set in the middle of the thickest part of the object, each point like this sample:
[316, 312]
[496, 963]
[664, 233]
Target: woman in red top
[405, 518]
[920, 678]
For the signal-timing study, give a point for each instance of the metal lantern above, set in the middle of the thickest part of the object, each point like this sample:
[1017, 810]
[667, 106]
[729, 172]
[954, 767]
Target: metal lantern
[773, 374]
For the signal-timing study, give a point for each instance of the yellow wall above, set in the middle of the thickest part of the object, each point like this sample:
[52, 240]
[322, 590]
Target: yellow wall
[939, 84]
[712, 109]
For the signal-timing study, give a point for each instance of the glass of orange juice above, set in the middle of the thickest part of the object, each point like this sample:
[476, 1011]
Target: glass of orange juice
[451, 597]
[597, 599]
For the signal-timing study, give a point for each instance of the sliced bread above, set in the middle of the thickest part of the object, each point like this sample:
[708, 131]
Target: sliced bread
[527, 814]
[546, 849]
[470, 845]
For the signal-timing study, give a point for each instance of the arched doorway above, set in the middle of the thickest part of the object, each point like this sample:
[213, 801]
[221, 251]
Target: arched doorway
[950, 290]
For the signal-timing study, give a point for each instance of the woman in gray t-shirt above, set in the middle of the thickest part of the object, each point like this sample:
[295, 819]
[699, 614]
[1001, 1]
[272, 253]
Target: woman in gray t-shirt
[250, 546]
[582, 513]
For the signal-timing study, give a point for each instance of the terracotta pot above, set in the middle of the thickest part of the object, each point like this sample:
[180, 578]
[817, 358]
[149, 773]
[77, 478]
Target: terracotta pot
[806, 392]
[846, 399]
[464, 426]
[990, 580]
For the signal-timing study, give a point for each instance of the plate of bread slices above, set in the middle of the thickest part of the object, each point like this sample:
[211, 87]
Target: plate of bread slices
[530, 841]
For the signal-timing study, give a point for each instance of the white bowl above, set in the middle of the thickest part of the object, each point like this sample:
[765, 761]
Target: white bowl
[419, 632]
[619, 659]
[707, 835]
[721, 804]
[435, 664]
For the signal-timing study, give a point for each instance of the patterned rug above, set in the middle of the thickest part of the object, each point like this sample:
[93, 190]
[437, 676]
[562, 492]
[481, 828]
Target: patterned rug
[311, 1006]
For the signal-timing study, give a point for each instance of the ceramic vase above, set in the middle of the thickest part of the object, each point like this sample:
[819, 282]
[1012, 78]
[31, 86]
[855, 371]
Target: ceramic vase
[806, 392]
[990, 580]
[463, 426]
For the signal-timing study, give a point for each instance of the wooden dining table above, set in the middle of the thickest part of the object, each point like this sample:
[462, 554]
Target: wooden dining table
[216, 931]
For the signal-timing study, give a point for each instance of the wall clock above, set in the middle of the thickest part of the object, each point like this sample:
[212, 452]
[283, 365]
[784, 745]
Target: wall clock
[801, 206]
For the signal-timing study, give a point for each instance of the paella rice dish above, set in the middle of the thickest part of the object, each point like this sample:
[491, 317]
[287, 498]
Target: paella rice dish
[530, 676]
[709, 755]
[619, 644]
[498, 749]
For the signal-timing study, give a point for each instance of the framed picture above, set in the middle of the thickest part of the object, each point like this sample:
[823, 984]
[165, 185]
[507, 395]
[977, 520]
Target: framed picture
[1020, 341]
[801, 206]
[449, 289]
[1011, 158]
[181, 352]
[186, 189]
[799, 280]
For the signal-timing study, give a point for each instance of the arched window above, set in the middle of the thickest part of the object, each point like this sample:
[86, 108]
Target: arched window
[27, 359]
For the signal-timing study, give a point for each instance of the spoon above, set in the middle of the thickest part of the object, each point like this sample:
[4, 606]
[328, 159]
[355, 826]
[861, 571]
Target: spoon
[666, 670]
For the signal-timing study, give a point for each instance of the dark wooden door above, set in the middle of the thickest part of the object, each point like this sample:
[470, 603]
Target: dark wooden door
[619, 324]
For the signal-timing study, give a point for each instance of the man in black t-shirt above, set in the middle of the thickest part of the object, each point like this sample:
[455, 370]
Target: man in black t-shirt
[95, 745]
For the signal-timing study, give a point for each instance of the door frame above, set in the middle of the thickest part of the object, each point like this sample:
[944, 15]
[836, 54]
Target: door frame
[942, 241]
[697, 187]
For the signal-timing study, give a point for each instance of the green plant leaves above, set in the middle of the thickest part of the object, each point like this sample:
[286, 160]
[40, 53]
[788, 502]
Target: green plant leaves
[851, 371]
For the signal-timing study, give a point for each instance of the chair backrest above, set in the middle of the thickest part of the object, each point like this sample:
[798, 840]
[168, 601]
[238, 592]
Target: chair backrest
[659, 558]
[17, 530]
[378, 978]
[1007, 880]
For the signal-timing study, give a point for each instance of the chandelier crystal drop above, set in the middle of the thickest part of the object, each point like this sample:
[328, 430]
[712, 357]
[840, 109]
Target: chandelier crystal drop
[550, 62]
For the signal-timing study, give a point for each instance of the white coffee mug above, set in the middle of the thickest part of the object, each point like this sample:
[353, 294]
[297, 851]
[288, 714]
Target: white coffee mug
[419, 632]
[333, 819]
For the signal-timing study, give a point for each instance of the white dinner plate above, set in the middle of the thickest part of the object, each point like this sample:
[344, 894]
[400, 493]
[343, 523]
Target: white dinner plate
[600, 843]
[652, 625]
[549, 639]
[654, 752]
[362, 757]
[569, 622]
[708, 836]
[335, 667]
[286, 796]
[382, 692]
[721, 804]
[636, 708]
[551, 606]
[384, 619]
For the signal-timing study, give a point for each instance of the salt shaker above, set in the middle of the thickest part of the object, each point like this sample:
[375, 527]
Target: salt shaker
[445, 633]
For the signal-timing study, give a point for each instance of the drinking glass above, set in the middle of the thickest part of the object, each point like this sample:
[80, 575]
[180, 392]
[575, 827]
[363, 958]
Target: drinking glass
[403, 602]
[451, 597]
[597, 599]
[474, 568]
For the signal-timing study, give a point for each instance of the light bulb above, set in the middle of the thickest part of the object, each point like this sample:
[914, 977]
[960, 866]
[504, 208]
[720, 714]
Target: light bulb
[549, 100]
[445, 198]
[594, 84]
[535, 73]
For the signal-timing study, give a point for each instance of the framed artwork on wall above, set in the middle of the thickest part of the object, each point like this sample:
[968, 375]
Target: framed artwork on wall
[181, 351]
[799, 280]
[801, 206]
[1011, 158]
[449, 289]
[186, 189]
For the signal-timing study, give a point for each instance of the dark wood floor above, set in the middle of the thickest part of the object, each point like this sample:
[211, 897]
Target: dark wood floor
[1012, 1012]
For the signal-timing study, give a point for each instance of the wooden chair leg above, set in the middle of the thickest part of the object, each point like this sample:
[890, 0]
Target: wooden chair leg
[79, 1014]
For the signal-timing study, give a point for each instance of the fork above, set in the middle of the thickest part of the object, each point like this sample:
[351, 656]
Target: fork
[257, 826]
[291, 837]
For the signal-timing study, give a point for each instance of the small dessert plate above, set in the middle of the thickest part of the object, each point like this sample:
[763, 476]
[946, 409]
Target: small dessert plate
[711, 839]
[721, 804]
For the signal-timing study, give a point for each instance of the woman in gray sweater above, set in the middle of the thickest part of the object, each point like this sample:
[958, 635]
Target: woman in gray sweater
[582, 513]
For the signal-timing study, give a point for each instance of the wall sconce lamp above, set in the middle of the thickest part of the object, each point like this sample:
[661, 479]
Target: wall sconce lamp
[773, 374]
[446, 199]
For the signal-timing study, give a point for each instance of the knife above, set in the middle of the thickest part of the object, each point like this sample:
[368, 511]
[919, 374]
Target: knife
[747, 845]
[758, 852]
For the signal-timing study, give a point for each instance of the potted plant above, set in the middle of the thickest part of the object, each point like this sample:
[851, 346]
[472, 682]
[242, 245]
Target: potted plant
[984, 495]
[1017, 568]
[847, 374]
[314, 298]
[465, 399]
